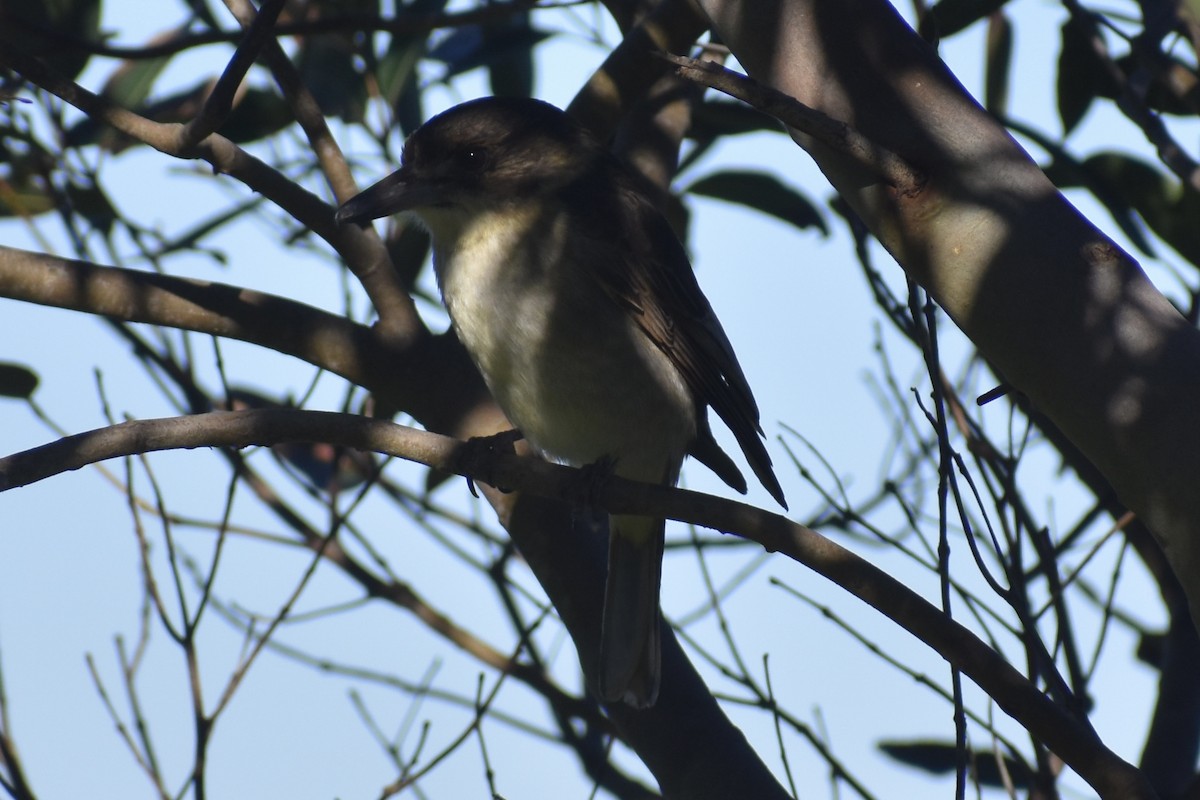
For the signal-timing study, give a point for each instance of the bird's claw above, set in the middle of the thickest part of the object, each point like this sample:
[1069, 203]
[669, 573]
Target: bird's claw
[475, 456]
[593, 478]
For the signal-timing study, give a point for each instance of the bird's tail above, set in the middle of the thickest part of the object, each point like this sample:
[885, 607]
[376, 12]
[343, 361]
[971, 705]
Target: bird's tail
[630, 639]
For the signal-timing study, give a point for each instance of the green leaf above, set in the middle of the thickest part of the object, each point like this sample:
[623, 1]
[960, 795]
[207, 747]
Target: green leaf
[131, 82]
[762, 192]
[24, 200]
[17, 381]
[23, 190]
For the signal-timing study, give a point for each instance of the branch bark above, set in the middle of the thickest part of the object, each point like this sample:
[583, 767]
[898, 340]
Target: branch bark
[1072, 739]
[431, 378]
[1067, 317]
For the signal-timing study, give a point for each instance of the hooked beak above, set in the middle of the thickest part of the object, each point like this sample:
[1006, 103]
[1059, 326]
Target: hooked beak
[395, 193]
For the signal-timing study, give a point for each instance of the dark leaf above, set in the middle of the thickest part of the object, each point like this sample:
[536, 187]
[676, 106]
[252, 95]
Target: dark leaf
[131, 82]
[53, 29]
[951, 16]
[325, 467]
[716, 118]
[202, 12]
[1079, 74]
[93, 205]
[1169, 209]
[510, 73]
[256, 115]
[17, 381]
[179, 107]
[396, 71]
[762, 192]
[470, 47]
[1065, 171]
[1151, 647]
[409, 108]
[999, 63]
[194, 238]
[1174, 89]
[326, 65]
[940, 758]
[408, 246]
[26, 199]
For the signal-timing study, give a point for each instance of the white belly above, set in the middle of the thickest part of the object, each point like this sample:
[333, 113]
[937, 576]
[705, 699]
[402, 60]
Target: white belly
[568, 366]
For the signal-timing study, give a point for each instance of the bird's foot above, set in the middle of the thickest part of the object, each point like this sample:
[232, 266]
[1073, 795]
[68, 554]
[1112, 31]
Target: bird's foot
[476, 456]
[592, 479]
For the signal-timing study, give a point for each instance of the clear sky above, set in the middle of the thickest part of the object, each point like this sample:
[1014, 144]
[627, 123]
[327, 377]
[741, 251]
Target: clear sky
[800, 317]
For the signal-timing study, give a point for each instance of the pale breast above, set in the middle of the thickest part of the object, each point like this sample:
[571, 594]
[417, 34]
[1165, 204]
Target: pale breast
[567, 365]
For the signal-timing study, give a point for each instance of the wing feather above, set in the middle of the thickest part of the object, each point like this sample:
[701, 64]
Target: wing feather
[665, 300]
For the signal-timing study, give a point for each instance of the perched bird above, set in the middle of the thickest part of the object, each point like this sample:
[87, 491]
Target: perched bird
[578, 304]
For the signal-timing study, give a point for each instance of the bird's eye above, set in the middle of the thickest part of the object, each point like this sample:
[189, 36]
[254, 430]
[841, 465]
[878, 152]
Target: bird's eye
[472, 159]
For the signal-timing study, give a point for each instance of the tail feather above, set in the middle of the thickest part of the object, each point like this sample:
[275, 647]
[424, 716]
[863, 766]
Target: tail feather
[630, 639]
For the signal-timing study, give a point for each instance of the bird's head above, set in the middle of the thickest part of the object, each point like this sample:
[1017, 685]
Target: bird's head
[476, 157]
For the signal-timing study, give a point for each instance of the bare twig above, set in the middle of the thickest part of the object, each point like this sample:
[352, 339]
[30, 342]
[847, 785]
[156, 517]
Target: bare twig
[1062, 733]
[12, 772]
[220, 100]
[363, 255]
[893, 170]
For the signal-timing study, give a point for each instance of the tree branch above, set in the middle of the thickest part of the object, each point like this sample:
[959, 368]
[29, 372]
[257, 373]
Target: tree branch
[431, 379]
[1066, 736]
[368, 258]
[837, 135]
[406, 24]
[1061, 312]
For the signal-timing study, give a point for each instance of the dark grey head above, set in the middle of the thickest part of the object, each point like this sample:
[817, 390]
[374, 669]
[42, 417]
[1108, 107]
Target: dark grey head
[477, 155]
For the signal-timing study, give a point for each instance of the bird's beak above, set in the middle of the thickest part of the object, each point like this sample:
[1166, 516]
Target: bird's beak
[397, 192]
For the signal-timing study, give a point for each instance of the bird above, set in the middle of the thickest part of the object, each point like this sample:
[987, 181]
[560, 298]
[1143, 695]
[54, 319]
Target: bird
[578, 304]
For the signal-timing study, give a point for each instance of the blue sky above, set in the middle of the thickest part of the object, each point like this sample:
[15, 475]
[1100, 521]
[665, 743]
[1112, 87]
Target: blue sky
[800, 317]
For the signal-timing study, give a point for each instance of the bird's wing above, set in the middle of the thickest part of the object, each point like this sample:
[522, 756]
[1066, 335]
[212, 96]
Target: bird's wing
[666, 302]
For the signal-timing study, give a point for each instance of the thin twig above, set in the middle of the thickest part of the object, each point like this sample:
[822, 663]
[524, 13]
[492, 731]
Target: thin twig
[840, 136]
[220, 100]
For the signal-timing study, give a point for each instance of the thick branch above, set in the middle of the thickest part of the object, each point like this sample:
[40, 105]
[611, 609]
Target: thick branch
[366, 257]
[1062, 733]
[1068, 318]
[835, 134]
[632, 68]
[431, 379]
